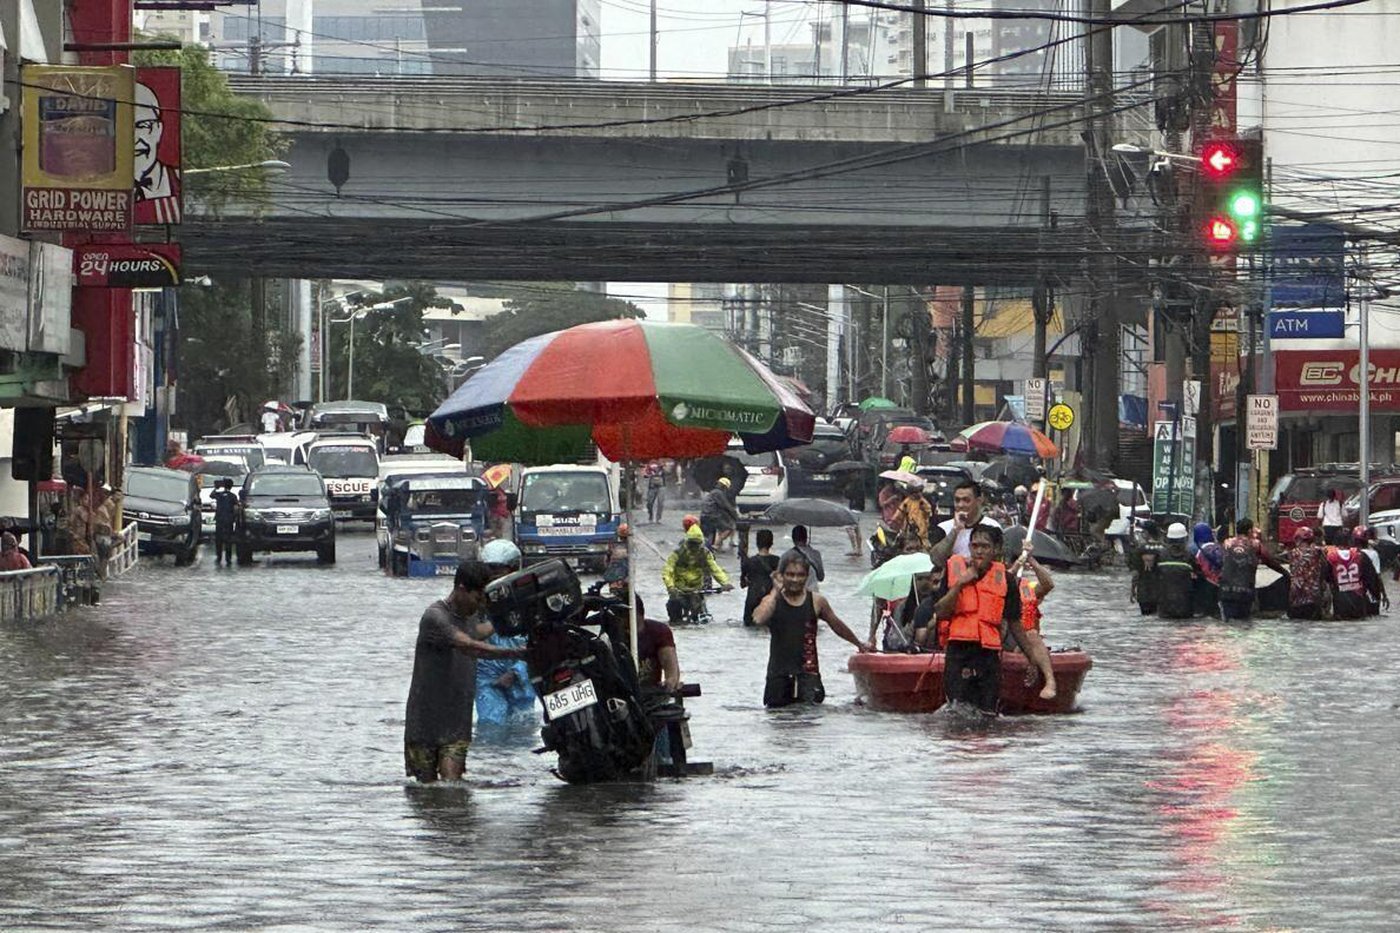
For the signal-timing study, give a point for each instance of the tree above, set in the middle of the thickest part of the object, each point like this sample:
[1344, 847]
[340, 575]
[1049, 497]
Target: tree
[222, 357]
[546, 308]
[388, 366]
[225, 351]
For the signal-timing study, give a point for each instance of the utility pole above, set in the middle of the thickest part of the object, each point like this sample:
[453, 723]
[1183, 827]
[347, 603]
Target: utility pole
[969, 329]
[653, 41]
[948, 45]
[845, 42]
[918, 57]
[1102, 403]
[1043, 297]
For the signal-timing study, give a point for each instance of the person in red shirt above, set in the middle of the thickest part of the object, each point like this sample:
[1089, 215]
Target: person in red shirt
[11, 557]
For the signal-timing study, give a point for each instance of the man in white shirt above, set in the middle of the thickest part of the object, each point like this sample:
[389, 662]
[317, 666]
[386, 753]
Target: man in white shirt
[955, 534]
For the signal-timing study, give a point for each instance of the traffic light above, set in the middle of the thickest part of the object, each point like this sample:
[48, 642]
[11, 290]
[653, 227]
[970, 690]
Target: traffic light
[1232, 193]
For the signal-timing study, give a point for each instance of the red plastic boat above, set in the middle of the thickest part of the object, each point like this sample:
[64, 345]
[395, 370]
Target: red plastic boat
[913, 683]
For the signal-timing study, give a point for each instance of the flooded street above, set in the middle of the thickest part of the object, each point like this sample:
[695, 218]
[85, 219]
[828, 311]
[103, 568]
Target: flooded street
[221, 748]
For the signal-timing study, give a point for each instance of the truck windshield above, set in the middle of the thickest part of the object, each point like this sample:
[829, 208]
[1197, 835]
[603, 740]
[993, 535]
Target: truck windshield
[444, 501]
[157, 486]
[565, 492]
[343, 462]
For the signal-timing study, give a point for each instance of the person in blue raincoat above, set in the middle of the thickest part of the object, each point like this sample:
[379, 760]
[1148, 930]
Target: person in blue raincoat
[503, 691]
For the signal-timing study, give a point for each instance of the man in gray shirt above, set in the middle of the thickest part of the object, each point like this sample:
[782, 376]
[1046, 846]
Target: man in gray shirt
[437, 727]
[813, 556]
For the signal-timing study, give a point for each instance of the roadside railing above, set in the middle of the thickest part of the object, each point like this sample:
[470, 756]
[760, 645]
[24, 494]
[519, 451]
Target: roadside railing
[30, 594]
[125, 552]
[79, 583]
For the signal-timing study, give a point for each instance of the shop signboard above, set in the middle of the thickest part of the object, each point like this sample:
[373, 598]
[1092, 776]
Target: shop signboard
[1322, 381]
[1173, 468]
[127, 265]
[77, 153]
[156, 167]
[1309, 266]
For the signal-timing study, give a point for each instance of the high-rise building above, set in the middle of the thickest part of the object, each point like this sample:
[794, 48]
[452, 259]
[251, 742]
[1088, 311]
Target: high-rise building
[534, 39]
[540, 38]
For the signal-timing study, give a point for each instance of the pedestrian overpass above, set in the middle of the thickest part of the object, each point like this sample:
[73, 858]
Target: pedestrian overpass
[470, 178]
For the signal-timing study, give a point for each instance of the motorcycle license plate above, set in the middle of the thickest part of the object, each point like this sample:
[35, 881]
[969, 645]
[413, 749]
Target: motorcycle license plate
[570, 700]
[286, 529]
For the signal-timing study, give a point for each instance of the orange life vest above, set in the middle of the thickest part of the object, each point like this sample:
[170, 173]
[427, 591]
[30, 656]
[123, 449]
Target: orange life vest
[1030, 606]
[978, 613]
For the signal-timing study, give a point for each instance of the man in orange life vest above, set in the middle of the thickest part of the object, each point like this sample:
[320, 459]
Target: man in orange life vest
[981, 602]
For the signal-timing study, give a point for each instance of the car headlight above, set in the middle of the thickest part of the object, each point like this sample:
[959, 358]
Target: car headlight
[534, 549]
[253, 515]
[320, 515]
[365, 498]
[183, 519]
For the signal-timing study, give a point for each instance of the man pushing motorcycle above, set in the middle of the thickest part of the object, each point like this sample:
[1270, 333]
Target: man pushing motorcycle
[685, 571]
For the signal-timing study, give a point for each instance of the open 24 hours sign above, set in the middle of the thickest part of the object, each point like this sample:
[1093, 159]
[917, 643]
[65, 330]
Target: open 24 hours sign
[127, 265]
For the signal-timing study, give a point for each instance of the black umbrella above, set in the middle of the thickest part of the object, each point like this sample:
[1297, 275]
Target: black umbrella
[847, 466]
[817, 513]
[1049, 550]
[707, 472]
[1011, 471]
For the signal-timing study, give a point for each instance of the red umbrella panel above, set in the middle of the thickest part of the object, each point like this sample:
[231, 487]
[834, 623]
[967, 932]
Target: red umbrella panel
[1008, 437]
[908, 434]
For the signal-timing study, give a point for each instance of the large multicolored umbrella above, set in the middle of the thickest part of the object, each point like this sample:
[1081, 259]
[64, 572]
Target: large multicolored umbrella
[638, 389]
[1008, 437]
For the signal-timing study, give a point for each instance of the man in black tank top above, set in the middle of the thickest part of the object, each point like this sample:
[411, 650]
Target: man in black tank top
[790, 613]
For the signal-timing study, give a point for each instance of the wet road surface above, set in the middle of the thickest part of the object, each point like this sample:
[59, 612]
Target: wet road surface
[221, 748]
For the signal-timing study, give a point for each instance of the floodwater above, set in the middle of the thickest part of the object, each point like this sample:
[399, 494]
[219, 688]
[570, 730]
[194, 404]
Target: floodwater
[221, 748]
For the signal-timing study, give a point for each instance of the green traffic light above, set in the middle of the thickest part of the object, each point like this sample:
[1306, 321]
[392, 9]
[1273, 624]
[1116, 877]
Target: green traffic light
[1244, 204]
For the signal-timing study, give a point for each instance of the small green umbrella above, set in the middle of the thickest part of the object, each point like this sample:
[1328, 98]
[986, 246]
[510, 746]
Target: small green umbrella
[892, 579]
[876, 401]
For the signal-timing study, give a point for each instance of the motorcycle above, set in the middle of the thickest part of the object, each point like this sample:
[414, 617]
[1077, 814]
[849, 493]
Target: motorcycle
[693, 608]
[594, 720]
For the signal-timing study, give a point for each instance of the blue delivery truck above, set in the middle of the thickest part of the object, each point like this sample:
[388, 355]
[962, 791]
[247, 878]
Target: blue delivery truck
[567, 511]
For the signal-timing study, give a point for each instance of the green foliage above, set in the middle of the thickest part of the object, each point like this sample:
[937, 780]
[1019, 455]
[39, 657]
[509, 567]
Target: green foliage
[223, 358]
[545, 308]
[388, 367]
[218, 128]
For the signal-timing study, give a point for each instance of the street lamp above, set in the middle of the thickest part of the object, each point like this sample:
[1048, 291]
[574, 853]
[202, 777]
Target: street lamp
[354, 316]
[271, 166]
[321, 334]
[884, 335]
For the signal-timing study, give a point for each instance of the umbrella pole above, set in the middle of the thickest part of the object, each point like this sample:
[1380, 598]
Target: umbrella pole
[1035, 517]
[633, 622]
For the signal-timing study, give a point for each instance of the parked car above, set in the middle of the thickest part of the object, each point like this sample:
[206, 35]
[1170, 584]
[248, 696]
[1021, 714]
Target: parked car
[165, 506]
[806, 465]
[1294, 500]
[767, 478]
[285, 508]
[1382, 499]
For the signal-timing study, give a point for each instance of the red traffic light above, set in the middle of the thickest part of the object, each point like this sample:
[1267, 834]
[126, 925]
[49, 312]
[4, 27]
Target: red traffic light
[1220, 232]
[1219, 159]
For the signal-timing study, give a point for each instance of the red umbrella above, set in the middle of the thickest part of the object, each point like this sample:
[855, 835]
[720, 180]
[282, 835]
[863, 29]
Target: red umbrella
[908, 434]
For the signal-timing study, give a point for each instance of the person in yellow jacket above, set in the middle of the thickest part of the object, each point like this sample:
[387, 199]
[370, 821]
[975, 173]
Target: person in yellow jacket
[981, 602]
[685, 571]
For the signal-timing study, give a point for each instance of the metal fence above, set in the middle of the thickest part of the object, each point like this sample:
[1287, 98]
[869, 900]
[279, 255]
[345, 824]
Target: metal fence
[30, 594]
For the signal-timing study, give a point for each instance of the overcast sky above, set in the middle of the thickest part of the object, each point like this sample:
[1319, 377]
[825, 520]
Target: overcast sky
[695, 35]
